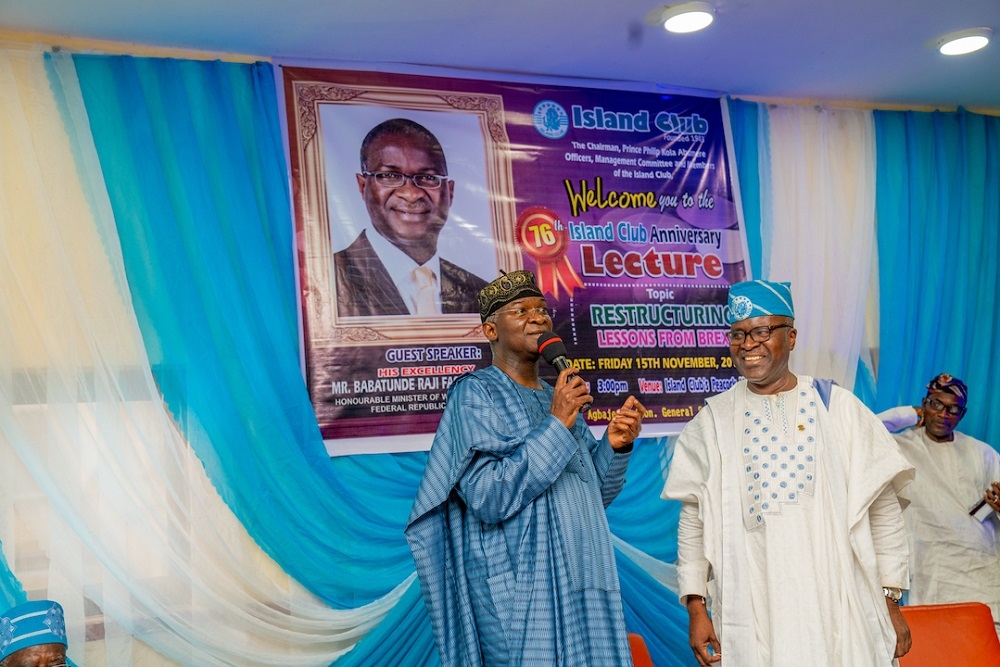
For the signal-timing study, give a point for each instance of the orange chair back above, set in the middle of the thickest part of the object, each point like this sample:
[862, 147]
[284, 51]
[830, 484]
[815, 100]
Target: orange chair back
[640, 654]
[951, 634]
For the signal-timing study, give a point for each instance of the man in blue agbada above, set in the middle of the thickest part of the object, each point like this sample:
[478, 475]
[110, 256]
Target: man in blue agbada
[508, 529]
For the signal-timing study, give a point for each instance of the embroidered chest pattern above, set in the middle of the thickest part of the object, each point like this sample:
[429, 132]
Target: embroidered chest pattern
[779, 452]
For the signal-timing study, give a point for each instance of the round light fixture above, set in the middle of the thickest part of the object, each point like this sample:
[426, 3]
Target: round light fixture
[961, 42]
[685, 17]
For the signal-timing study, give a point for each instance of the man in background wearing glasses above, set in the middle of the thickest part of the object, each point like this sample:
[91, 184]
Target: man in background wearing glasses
[33, 634]
[956, 555]
[397, 270]
[508, 529]
[791, 532]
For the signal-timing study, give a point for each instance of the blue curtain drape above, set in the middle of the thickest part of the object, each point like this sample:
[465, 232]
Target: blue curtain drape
[642, 519]
[194, 167]
[192, 159]
[938, 185]
[11, 591]
[745, 120]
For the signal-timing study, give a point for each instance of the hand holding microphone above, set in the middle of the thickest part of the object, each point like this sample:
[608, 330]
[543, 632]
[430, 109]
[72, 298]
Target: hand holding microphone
[626, 424]
[553, 350]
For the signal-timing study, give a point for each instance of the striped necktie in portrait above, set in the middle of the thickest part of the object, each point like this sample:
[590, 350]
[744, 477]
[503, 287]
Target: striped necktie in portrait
[427, 290]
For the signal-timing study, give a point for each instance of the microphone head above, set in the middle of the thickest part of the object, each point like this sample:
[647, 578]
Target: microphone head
[551, 347]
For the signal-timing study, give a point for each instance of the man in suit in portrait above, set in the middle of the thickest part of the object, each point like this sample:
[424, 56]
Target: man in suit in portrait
[397, 270]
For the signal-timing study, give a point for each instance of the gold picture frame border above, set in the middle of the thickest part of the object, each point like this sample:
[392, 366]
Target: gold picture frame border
[325, 328]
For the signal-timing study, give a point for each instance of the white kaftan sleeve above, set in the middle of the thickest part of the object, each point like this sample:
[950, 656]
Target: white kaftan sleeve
[899, 418]
[889, 537]
[692, 567]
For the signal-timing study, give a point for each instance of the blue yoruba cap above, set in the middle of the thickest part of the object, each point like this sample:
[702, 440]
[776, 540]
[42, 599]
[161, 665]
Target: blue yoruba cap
[755, 298]
[31, 624]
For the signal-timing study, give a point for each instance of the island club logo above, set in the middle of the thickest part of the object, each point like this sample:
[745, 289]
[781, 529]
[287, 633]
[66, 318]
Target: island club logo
[550, 119]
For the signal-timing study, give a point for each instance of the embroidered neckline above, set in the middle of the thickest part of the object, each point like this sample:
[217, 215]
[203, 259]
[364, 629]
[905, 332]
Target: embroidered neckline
[778, 461]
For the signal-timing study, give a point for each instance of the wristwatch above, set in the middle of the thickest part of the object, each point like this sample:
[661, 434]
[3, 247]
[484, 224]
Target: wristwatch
[893, 594]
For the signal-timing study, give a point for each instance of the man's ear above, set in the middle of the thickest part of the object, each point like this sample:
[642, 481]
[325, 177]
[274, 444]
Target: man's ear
[792, 333]
[490, 331]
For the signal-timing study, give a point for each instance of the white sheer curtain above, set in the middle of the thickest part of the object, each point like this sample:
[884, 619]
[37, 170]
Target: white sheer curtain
[822, 229]
[103, 507]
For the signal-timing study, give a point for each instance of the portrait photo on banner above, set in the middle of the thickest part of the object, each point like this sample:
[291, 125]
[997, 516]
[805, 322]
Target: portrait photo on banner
[336, 216]
[431, 187]
[466, 240]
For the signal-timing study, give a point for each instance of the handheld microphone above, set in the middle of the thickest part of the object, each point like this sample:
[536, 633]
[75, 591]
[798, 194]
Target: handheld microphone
[553, 350]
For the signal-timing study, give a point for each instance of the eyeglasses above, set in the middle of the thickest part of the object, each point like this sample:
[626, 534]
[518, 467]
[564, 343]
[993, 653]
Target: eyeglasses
[394, 179]
[938, 406]
[524, 312]
[758, 334]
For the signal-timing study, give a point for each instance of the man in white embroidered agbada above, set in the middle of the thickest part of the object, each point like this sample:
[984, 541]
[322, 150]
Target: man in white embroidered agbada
[791, 530]
[956, 556]
[508, 530]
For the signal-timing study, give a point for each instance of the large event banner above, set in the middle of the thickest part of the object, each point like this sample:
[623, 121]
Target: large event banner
[620, 202]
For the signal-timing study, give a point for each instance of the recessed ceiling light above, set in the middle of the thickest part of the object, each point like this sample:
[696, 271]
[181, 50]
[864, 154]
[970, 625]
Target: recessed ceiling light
[961, 42]
[685, 17]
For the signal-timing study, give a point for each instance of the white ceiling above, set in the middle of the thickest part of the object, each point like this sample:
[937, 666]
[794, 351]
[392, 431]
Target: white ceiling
[868, 51]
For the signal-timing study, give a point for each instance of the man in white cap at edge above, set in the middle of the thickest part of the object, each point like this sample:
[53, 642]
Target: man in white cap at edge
[33, 634]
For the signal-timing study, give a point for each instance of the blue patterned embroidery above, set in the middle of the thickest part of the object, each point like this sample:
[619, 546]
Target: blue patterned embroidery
[55, 622]
[775, 467]
[6, 634]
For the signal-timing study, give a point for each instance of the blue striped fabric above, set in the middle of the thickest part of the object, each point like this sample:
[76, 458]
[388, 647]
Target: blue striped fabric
[510, 536]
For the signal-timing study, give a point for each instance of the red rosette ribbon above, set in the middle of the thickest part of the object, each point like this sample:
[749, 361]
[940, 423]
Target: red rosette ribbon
[543, 236]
